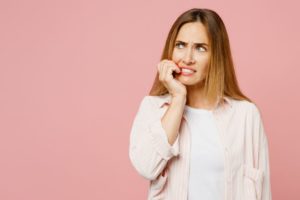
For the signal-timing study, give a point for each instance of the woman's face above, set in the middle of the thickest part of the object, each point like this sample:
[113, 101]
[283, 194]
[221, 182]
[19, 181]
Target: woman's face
[192, 50]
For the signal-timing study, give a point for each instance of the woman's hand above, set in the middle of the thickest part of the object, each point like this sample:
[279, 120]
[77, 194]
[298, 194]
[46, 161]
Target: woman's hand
[166, 69]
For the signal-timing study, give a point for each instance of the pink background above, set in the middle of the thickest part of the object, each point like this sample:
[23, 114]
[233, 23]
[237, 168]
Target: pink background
[72, 74]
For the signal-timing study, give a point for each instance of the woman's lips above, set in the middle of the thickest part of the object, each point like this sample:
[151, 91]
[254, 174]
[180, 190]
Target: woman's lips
[187, 72]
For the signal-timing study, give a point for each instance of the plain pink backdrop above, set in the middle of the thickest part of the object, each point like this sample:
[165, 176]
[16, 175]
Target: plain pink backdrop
[72, 74]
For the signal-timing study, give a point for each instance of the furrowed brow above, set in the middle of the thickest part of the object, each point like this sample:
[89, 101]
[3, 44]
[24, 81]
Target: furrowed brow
[197, 44]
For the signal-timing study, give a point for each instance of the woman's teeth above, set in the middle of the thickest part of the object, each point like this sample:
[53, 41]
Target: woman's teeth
[187, 71]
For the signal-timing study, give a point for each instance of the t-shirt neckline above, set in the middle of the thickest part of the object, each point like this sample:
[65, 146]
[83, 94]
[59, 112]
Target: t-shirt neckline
[197, 110]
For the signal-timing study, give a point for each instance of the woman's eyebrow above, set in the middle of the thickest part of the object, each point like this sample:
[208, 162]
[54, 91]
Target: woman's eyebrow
[200, 44]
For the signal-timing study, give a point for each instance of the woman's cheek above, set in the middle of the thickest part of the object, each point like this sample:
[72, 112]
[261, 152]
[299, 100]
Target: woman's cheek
[178, 55]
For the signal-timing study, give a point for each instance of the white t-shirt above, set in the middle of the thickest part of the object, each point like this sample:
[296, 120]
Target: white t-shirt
[206, 179]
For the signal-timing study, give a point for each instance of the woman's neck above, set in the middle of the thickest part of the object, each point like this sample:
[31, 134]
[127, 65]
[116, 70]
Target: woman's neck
[196, 98]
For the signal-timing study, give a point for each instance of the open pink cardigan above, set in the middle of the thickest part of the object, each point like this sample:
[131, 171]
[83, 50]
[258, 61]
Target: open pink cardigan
[245, 144]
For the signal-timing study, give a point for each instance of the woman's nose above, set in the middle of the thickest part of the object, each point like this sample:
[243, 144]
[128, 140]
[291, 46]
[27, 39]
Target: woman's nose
[188, 57]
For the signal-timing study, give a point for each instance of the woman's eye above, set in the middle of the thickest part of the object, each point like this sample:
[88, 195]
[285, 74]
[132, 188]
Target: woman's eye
[201, 48]
[178, 44]
[204, 49]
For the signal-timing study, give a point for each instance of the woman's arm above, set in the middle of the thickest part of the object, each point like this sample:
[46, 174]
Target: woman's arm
[150, 148]
[172, 118]
[265, 166]
[263, 157]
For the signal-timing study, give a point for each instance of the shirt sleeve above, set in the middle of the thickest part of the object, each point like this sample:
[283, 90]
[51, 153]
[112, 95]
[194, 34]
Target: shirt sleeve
[264, 185]
[149, 149]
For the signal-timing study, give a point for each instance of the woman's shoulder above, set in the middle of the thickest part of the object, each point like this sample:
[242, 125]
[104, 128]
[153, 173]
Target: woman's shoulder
[249, 107]
[157, 100]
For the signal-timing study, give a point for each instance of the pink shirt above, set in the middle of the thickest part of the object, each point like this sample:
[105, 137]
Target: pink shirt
[245, 145]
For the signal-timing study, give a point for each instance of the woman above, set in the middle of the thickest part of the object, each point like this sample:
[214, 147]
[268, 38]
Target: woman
[196, 135]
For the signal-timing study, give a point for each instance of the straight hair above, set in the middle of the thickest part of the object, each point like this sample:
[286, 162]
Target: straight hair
[220, 78]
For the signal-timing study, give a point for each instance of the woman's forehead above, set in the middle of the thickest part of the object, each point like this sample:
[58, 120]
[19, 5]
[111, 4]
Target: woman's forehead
[193, 33]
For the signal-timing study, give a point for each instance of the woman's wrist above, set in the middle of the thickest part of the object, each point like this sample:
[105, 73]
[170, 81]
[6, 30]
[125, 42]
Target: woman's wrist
[179, 99]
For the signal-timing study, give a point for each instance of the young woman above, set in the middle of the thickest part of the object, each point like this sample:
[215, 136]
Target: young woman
[196, 135]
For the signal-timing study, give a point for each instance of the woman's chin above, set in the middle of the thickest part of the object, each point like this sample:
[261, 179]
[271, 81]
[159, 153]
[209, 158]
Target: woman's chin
[188, 81]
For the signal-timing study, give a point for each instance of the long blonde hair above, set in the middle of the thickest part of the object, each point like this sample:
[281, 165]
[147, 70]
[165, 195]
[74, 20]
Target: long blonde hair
[220, 79]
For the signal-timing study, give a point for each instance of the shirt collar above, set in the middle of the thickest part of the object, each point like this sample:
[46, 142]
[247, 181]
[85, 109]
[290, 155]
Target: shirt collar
[166, 99]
